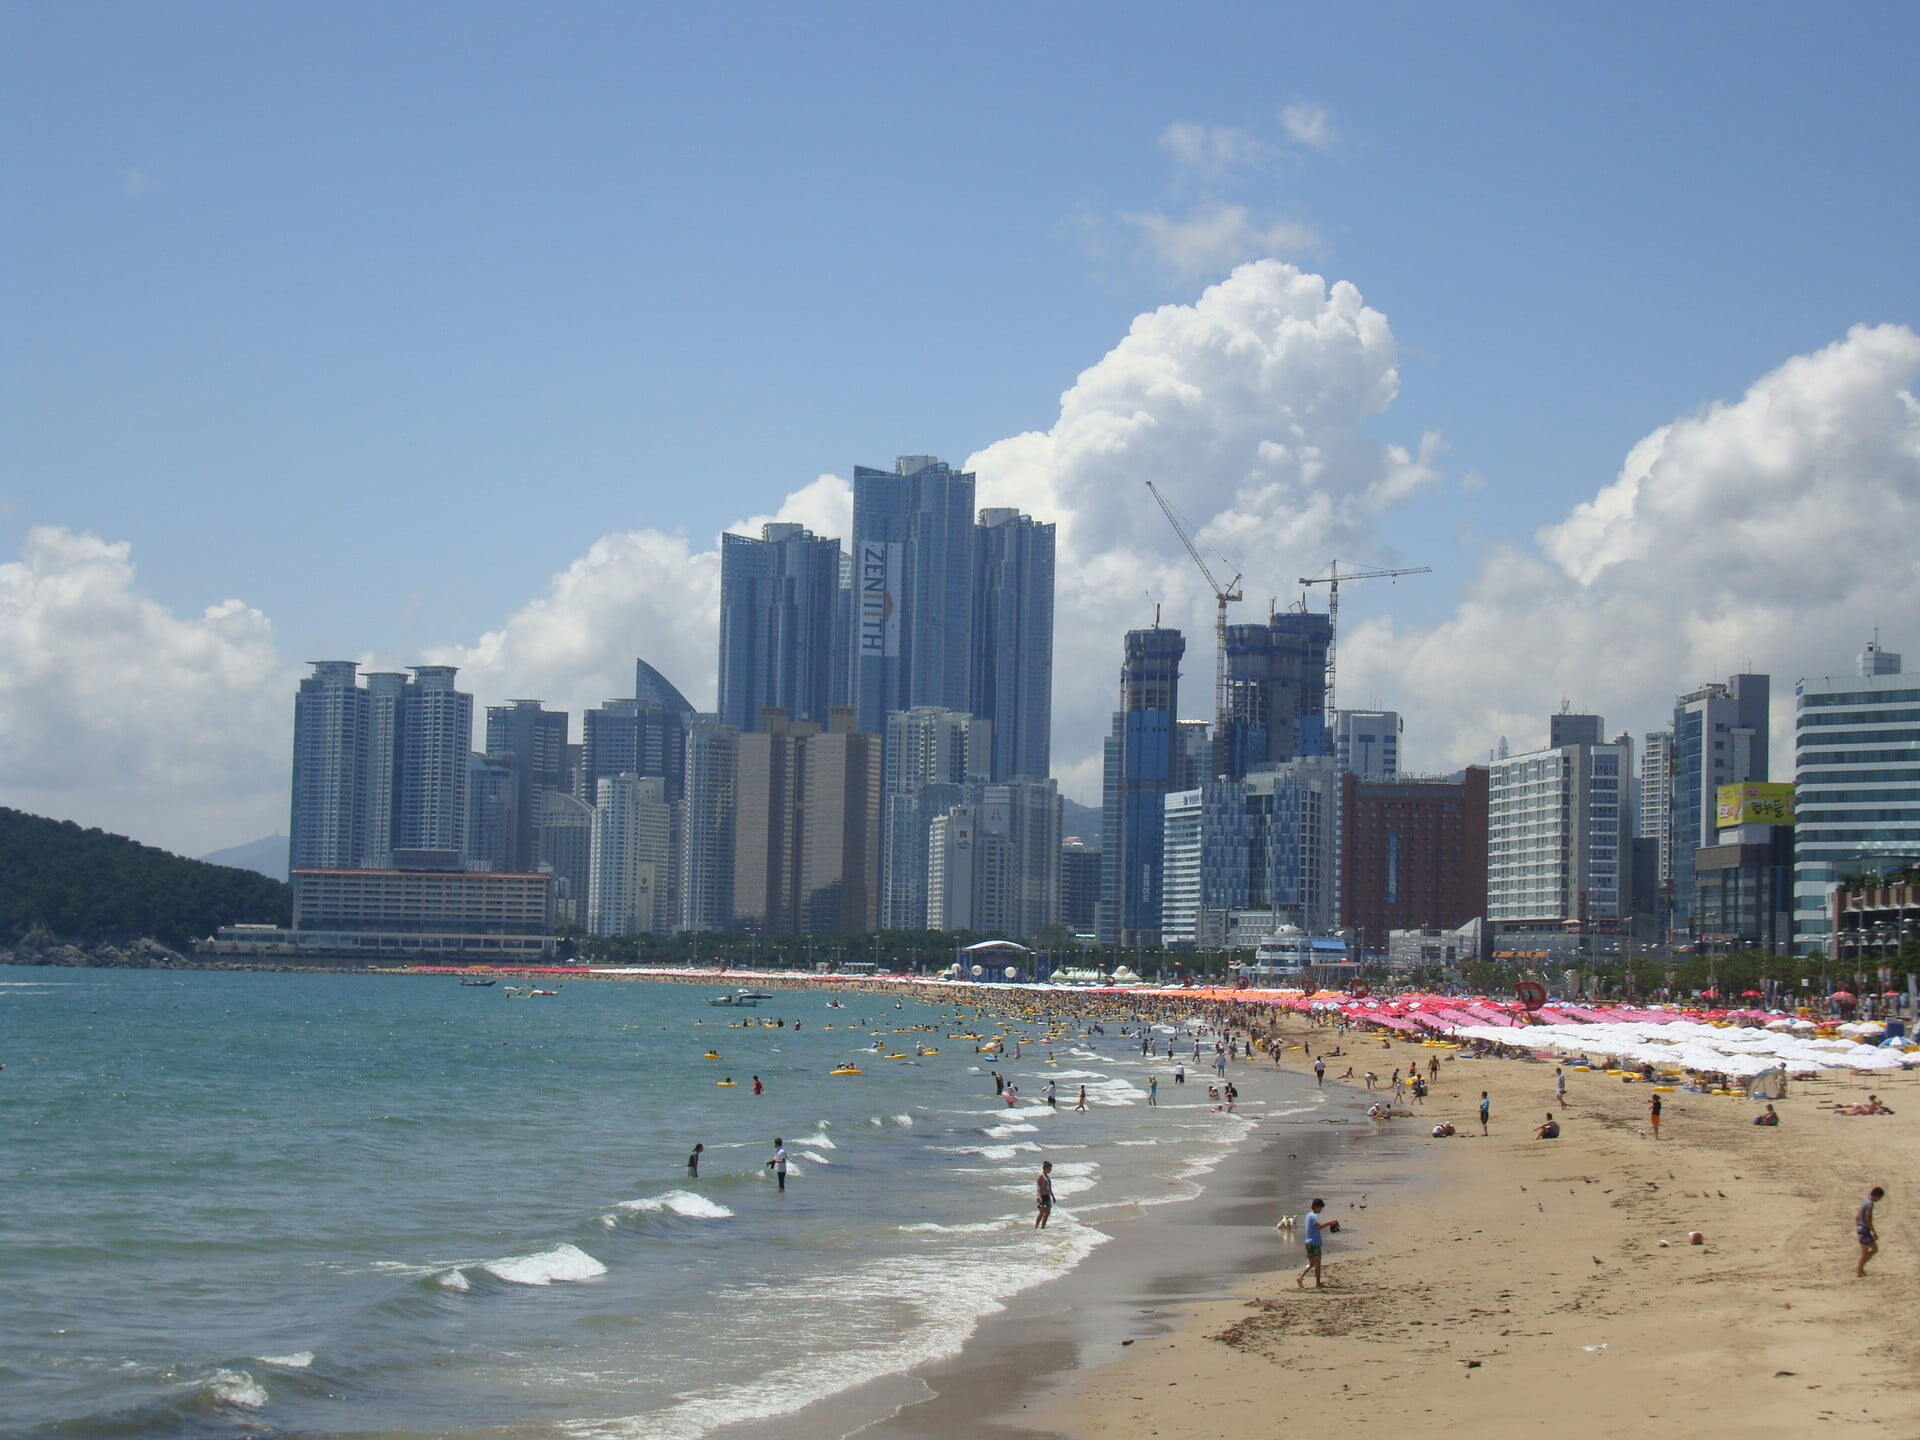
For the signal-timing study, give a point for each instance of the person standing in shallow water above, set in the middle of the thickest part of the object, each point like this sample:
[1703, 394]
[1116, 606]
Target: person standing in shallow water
[778, 1164]
[693, 1162]
[1043, 1195]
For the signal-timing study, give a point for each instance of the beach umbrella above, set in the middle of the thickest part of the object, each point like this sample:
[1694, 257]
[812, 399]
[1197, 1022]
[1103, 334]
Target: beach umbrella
[1751, 995]
[1844, 997]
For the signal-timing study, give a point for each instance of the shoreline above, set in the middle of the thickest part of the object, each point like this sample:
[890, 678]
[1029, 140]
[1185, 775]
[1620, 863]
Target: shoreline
[1159, 1258]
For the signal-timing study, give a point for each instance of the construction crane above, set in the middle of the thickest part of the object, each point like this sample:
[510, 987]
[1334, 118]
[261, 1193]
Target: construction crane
[1332, 580]
[1223, 596]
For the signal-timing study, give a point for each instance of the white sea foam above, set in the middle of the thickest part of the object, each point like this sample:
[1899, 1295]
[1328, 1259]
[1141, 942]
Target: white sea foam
[903, 1119]
[237, 1388]
[875, 1120]
[817, 1142]
[546, 1267]
[970, 1283]
[679, 1202]
[299, 1360]
[1000, 1132]
[976, 1227]
[453, 1280]
[991, 1152]
[816, 1158]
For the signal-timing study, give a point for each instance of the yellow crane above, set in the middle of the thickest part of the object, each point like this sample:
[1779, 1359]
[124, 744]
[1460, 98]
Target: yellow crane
[1332, 580]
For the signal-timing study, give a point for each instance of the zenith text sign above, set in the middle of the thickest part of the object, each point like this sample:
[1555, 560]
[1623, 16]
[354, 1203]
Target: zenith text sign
[877, 621]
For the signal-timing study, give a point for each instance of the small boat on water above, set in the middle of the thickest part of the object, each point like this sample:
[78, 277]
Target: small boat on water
[474, 980]
[846, 1070]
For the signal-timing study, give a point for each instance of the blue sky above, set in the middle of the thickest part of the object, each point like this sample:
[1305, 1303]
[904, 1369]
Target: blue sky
[375, 317]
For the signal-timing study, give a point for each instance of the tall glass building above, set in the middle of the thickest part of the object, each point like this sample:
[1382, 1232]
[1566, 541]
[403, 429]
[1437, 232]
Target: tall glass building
[1857, 783]
[1012, 681]
[1276, 693]
[1139, 771]
[778, 599]
[912, 594]
[1719, 738]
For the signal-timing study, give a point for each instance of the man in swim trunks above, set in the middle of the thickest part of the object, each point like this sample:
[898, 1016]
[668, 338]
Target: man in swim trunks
[1864, 1230]
[1043, 1195]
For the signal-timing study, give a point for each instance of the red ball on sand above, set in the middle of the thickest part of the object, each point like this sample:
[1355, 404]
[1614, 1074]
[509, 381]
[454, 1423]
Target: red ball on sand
[1696, 1238]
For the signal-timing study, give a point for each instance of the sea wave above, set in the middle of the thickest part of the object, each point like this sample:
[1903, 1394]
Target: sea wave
[547, 1267]
[299, 1360]
[679, 1202]
[237, 1388]
[816, 1142]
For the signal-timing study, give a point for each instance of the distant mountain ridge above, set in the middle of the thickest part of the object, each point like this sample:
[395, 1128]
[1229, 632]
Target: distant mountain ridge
[266, 856]
[86, 887]
[1081, 820]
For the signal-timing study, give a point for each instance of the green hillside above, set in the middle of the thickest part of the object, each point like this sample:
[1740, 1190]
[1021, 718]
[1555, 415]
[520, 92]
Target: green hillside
[87, 886]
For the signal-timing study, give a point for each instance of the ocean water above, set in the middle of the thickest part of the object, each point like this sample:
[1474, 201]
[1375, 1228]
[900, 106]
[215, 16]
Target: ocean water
[326, 1205]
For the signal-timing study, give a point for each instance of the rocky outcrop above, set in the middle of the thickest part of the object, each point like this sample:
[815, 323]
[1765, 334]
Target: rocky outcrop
[40, 947]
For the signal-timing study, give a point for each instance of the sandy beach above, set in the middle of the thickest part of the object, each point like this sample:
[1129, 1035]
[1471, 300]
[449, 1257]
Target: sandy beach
[1517, 1283]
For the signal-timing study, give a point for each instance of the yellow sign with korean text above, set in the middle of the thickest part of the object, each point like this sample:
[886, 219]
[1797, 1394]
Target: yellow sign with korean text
[1754, 803]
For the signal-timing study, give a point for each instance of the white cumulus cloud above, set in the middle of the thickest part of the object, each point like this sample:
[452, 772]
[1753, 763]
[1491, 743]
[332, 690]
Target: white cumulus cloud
[1773, 531]
[114, 711]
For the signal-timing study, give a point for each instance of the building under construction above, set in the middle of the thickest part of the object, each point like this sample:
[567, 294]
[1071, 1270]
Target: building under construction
[1276, 692]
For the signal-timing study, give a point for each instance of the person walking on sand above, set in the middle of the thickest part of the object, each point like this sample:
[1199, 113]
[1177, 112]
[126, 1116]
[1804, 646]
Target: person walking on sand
[1864, 1230]
[1486, 1108]
[693, 1162]
[1653, 1116]
[1560, 1087]
[778, 1164]
[1433, 1068]
[1319, 1072]
[1315, 1238]
[1043, 1195]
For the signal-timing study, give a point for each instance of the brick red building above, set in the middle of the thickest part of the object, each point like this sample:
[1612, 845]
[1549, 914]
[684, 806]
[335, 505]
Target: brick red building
[1413, 854]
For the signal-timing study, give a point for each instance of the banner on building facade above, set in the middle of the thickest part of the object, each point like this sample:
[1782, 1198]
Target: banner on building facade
[1754, 803]
[876, 579]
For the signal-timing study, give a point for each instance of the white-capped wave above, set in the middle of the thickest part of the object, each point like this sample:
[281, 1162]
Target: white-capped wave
[1000, 1132]
[970, 1282]
[453, 1280]
[236, 1388]
[903, 1119]
[546, 1267]
[817, 1142]
[974, 1227]
[875, 1120]
[991, 1152]
[299, 1360]
[817, 1159]
[679, 1202]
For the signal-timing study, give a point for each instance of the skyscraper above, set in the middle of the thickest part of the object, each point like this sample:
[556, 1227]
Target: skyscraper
[1276, 692]
[436, 737]
[532, 741]
[778, 597]
[630, 890]
[1413, 854]
[1139, 771]
[1720, 737]
[806, 827]
[1653, 816]
[1857, 784]
[1012, 681]
[994, 861]
[1559, 834]
[564, 830]
[912, 597]
[327, 827]
[646, 735]
[707, 844]
[931, 754]
[492, 814]
[380, 768]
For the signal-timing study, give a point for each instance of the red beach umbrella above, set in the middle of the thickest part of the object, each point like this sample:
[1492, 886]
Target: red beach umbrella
[1751, 995]
[1844, 997]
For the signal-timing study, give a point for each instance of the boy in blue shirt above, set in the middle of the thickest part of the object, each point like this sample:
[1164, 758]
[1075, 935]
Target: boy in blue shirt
[1314, 1237]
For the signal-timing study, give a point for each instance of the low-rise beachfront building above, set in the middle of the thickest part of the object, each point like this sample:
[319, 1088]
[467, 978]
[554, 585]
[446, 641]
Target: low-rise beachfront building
[426, 910]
